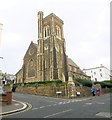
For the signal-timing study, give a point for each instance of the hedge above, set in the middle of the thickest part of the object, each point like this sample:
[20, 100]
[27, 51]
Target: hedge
[108, 81]
[85, 82]
[104, 84]
[40, 83]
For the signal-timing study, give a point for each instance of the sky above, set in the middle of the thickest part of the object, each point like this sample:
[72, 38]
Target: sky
[86, 30]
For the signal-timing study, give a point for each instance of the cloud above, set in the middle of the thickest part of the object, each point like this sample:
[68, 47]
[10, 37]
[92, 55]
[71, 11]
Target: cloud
[11, 39]
[6, 4]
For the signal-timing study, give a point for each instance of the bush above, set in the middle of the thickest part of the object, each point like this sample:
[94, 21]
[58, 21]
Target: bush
[14, 87]
[108, 81]
[85, 82]
[77, 83]
[104, 84]
[40, 83]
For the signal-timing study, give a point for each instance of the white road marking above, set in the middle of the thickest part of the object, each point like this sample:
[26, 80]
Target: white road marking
[60, 103]
[77, 100]
[104, 114]
[50, 101]
[57, 113]
[100, 103]
[64, 102]
[42, 106]
[68, 102]
[86, 104]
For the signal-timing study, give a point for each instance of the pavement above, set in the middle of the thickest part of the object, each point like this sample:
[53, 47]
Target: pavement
[15, 106]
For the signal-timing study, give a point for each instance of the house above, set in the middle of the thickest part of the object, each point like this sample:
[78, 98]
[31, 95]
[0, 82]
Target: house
[100, 73]
[6, 78]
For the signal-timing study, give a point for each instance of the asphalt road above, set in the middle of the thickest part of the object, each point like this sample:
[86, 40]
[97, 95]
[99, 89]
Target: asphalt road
[48, 107]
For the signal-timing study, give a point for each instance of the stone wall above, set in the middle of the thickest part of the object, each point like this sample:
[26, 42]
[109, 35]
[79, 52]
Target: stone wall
[41, 90]
[51, 90]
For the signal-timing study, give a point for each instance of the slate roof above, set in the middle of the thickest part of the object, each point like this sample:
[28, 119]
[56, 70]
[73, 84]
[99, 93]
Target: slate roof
[71, 62]
[82, 73]
[35, 45]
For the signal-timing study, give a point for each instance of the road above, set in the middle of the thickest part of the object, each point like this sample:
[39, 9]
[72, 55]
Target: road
[48, 107]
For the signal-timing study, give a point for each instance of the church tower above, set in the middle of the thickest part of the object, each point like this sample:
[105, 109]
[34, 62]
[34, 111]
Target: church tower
[51, 53]
[40, 48]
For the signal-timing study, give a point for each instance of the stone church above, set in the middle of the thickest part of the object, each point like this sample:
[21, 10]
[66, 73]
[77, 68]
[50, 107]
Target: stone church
[47, 60]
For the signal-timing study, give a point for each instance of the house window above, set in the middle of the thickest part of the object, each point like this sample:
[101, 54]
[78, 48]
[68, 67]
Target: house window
[100, 74]
[96, 79]
[91, 71]
[94, 73]
[100, 69]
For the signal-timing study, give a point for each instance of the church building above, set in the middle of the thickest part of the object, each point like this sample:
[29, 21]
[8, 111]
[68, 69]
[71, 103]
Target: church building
[47, 60]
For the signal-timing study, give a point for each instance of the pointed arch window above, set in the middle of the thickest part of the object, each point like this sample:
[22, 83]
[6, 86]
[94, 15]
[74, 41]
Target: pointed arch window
[31, 68]
[58, 31]
[46, 31]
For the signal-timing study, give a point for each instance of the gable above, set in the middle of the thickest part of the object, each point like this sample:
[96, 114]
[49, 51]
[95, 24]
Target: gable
[31, 51]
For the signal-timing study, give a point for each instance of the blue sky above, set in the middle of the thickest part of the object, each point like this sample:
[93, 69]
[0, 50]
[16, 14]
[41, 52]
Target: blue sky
[86, 30]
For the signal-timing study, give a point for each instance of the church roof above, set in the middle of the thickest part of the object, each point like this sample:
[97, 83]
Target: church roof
[71, 62]
[82, 73]
[35, 44]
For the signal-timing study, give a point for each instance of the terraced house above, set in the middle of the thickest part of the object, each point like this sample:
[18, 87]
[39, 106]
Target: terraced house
[47, 60]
